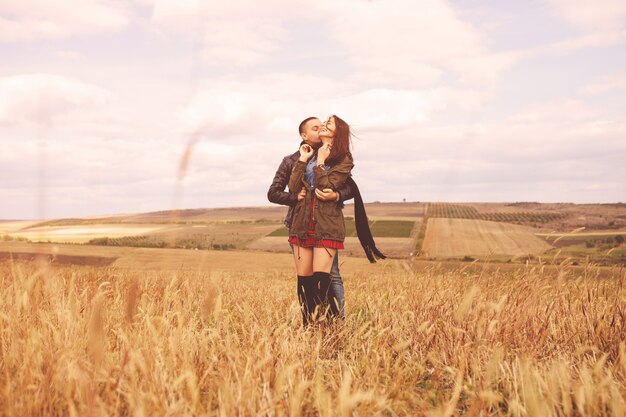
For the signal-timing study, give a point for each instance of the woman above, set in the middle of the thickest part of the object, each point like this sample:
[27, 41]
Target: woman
[318, 230]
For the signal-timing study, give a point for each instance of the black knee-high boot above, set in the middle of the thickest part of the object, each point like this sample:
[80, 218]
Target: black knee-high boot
[308, 295]
[324, 280]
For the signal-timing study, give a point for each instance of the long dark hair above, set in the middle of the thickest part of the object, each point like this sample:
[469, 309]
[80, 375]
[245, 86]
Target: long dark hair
[341, 142]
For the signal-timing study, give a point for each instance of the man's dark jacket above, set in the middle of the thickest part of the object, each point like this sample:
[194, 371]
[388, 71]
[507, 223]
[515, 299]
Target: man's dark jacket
[277, 194]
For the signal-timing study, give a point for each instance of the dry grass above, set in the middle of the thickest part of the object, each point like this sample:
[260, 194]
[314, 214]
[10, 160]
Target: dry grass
[417, 340]
[156, 259]
[460, 237]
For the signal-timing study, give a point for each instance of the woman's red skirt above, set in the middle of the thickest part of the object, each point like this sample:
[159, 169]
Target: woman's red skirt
[310, 241]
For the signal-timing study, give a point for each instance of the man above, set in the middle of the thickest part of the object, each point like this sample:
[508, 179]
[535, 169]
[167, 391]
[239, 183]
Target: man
[309, 133]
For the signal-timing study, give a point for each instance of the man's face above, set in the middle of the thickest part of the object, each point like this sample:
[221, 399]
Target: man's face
[311, 133]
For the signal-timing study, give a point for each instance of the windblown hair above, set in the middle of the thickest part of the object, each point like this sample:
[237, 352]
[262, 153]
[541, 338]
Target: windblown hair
[341, 142]
[303, 123]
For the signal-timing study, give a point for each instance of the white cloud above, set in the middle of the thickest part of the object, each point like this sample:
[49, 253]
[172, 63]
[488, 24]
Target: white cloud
[600, 23]
[181, 12]
[607, 83]
[36, 19]
[407, 75]
[402, 42]
[385, 109]
[244, 42]
[587, 40]
[68, 55]
[218, 114]
[238, 34]
[551, 156]
[597, 16]
[556, 111]
[392, 43]
[41, 98]
[550, 153]
[238, 109]
[552, 131]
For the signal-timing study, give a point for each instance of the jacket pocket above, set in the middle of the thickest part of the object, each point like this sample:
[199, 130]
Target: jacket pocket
[330, 220]
[299, 220]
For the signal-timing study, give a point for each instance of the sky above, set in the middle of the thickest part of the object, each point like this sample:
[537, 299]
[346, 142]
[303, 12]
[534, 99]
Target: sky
[142, 105]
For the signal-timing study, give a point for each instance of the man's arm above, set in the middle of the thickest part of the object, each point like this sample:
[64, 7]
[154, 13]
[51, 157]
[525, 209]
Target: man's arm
[342, 194]
[276, 193]
[345, 193]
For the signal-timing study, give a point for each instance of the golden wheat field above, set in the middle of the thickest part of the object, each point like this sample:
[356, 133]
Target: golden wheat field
[418, 339]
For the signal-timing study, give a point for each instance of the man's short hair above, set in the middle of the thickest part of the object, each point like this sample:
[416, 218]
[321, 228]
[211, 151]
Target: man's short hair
[303, 123]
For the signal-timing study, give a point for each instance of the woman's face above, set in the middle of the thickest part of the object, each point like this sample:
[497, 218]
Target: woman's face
[327, 132]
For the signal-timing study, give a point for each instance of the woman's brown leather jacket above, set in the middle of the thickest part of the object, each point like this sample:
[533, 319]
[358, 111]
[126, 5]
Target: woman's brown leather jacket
[327, 215]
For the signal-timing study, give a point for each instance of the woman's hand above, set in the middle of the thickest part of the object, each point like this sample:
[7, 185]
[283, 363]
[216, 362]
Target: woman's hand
[302, 194]
[327, 194]
[323, 152]
[306, 152]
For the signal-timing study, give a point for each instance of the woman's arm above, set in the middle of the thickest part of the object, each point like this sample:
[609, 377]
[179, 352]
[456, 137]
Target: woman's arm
[336, 177]
[295, 180]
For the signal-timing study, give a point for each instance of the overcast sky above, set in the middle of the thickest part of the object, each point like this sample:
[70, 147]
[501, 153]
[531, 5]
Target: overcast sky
[132, 106]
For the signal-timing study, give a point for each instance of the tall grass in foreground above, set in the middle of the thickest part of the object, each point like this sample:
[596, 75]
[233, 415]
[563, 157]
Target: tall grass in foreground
[95, 341]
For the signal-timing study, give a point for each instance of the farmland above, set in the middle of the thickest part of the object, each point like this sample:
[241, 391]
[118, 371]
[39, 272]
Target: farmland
[455, 211]
[593, 217]
[399, 229]
[222, 336]
[551, 223]
[83, 234]
[215, 229]
[463, 237]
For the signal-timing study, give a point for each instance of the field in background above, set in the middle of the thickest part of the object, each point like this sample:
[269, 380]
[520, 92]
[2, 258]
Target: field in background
[218, 235]
[69, 234]
[559, 227]
[399, 230]
[156, 259]
[566, 216]
[466, 211]
[447, 238]
[251, 228]
[392, 247]
[420, 338]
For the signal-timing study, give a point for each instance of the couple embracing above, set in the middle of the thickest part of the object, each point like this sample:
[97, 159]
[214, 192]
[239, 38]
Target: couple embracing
[319, 179]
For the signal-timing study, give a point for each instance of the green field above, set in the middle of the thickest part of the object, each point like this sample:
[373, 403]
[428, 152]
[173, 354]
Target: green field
[601, 247]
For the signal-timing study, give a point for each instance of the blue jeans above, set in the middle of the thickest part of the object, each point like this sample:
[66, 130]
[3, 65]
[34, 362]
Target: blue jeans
[336, 291]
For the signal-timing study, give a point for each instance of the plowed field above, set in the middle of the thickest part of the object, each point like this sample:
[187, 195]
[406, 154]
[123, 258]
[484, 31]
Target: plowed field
[461, 237]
